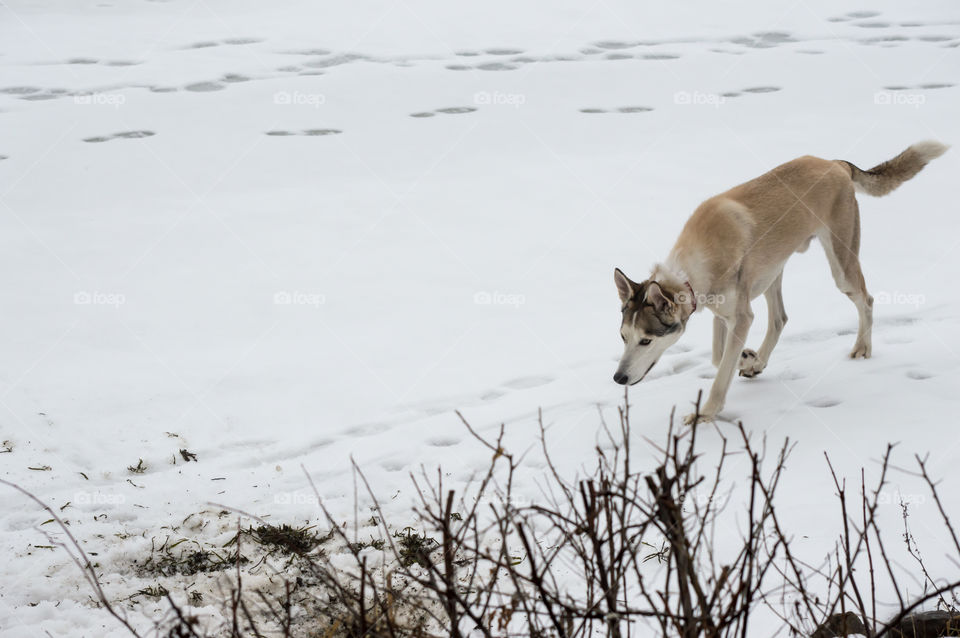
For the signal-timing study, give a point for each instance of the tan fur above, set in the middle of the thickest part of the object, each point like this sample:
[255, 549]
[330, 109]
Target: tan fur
[733, 249]
[883, 178]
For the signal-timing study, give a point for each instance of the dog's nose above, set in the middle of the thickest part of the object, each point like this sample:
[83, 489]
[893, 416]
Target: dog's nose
[620, 378]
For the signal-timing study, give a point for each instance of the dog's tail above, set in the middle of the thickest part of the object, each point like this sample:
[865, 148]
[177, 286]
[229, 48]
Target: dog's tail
[884, 178]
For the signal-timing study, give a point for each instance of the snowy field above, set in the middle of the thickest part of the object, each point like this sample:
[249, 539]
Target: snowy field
[277, 235]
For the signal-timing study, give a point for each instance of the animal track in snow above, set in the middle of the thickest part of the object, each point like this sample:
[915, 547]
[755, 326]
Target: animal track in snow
[450, 110]
[928, 86]
[126, 135]
[206, 44]
[621, 109]
[19, 90]
[684, 364]
[764, 39]
[337, 60]
[524, 383]
[496, 66]
[790, 375]
[918, 375]
[204, 87]
[443, 442]
[615, 44]
[824, 402]
[310, 132]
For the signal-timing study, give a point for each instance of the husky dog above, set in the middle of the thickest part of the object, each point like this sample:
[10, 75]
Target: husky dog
[733, 249]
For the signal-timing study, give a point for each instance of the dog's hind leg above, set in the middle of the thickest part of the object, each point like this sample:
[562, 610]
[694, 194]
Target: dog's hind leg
[719, 336]
[752, 363]
[841, 243]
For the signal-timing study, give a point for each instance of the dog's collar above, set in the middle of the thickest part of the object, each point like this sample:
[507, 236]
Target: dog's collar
[693, 296]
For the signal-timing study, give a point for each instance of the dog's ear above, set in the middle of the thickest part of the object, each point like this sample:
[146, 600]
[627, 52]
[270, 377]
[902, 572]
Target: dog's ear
[658, 299]
[625, 287]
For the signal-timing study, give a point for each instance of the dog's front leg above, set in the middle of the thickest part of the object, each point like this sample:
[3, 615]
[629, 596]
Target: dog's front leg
[737, 329]
[719, 336]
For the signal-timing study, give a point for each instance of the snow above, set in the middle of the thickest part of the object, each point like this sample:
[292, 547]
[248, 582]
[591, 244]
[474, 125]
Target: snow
[271, 301]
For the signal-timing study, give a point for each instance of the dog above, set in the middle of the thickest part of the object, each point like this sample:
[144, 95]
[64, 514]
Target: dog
[733, 249]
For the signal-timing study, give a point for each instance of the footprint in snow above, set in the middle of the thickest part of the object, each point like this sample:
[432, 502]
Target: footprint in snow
[310, 132]
[336, 60]
[496, 66]
[313, 52]
[614, 44]
[684, 365]
[452, 110]
[126, 135]
[443, 442]
[525, 383]
[19, 90]
[204, 87]
[791, 376]
[47, 95]
[823, 403]
[764, 39]
[621, 109]
[504, 51]
[393, 466]
[918, 375]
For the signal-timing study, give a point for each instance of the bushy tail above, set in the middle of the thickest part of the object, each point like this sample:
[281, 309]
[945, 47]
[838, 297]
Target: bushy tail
[884, 178]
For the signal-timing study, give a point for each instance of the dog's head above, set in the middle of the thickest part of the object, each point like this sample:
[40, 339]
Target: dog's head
[652, 322]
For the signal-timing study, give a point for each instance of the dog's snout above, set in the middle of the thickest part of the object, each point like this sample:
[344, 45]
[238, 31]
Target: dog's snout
[620, 378]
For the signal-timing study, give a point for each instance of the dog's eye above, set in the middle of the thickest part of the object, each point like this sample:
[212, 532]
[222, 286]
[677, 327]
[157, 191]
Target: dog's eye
[644, 342]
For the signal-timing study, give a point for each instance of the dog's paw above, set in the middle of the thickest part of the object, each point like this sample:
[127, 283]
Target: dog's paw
[693, 419]
[860, 351]
[750, 364]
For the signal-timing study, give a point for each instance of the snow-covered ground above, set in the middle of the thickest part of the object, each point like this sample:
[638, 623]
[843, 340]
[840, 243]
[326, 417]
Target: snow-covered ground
[285, 234]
